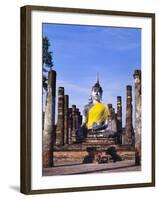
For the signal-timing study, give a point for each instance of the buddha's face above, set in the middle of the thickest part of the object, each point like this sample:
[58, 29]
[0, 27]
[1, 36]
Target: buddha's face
[96, 94]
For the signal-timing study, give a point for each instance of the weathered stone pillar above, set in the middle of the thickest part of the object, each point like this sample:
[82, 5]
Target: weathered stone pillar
[129, 128]
[110, 110]
[60, 118]
[74, 123]
[43, 117]
[112, 126]
[137, 79]
[49, 121]
[66, 103]
[119, 120]
[80, 120]
[77, 118]
[113, 113]
[114, 121]
[70, 126]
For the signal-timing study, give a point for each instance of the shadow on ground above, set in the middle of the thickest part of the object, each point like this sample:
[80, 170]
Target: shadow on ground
[15, 188]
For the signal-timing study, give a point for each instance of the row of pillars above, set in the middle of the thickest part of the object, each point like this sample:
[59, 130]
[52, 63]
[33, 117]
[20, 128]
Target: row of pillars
[68, 120]
[130, 137]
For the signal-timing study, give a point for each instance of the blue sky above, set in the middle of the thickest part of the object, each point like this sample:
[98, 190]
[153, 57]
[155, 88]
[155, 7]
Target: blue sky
[80, 52]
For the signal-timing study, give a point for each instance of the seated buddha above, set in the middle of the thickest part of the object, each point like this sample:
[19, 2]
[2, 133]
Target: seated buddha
[96, 120]
[95, 114]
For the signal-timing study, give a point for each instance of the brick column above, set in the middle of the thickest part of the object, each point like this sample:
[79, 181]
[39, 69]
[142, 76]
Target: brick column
[128, 128]
[66, 103]
[137, 79]
[113, 113]
[119, 120]
[74, 123]
[49, 121]
[110, 110]
[69, 125]
[60, 118]
[77, 118]
[43, 117]
[80, 120]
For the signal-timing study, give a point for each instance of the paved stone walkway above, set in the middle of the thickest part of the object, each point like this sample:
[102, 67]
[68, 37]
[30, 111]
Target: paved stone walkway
[121, 166]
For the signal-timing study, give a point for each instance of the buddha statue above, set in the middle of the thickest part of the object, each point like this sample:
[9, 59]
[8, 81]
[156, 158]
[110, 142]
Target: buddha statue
[96, 118]
[95, 114]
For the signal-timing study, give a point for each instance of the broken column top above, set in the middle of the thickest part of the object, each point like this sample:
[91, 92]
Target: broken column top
[129, 91]
[73, 107]
[52, 82]
[109, 105]
[137, 73]
[129, 87]
[61, 91]
[118, 98]
[51, 76]
[66, 100]
[66, 97]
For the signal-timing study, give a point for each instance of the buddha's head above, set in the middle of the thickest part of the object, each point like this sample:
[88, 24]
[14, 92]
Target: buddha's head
[97, 92]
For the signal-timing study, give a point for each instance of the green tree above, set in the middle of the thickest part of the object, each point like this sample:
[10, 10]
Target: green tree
[46, 60]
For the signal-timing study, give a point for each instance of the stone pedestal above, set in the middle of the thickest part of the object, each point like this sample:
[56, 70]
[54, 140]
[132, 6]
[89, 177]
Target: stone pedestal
[49, 121]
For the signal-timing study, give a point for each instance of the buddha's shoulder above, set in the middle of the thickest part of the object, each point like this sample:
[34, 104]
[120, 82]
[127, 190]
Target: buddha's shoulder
[88, 106]
[100, 105]
[103, 104]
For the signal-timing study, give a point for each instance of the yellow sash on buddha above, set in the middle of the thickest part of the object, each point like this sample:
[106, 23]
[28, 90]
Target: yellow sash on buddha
[97, 114]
